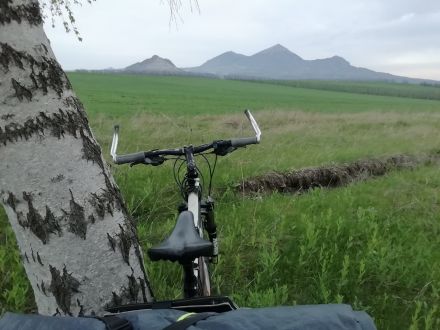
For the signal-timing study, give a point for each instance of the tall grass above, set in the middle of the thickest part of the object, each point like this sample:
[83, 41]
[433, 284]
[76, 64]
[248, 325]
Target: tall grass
[374, 245]
[364, 245]
[15, 290]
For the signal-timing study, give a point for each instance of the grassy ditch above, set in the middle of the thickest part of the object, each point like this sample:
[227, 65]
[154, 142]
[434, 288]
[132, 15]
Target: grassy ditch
[299, 181]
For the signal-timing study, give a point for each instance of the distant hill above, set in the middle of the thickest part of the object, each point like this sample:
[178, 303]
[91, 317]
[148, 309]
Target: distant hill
[155, 64]
[278, 62]
[274, 63]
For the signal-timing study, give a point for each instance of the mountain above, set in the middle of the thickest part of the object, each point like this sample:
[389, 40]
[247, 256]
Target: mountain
[224, 64]
[278, 62]
[154, 65]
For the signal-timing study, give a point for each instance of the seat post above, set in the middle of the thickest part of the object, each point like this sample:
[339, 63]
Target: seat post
[189, 280]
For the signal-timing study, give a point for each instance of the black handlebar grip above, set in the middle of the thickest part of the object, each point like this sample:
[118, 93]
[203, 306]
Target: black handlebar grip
[241, 142]
[138, 157]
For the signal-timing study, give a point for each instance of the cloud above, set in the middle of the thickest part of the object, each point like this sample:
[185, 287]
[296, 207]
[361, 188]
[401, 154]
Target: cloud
[375, 34]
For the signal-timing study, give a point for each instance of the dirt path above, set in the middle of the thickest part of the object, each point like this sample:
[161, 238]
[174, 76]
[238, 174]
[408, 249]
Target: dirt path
[298, 181]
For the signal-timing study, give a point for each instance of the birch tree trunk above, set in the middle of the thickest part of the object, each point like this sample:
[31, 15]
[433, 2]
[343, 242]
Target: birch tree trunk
[79, 246]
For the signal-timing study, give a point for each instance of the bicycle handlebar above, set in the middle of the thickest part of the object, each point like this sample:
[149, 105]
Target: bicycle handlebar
[242, 142]
[138, 157]
[154, 157]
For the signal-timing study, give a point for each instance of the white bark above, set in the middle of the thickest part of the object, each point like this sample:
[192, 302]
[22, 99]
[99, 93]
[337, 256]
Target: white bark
[79, 247]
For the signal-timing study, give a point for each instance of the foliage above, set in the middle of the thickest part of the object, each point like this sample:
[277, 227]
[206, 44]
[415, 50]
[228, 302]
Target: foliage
[64, 10]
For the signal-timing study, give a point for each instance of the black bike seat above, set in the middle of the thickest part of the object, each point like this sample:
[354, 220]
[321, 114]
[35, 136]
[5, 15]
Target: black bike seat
[184, 244]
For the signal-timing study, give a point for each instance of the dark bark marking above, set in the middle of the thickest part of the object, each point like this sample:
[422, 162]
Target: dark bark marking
[63, 122]
[133, 287]
[123, 240]
[102, 203]
[30, 13]
[129, 293]
[26, 257]
[39, 259]
[57, 178]
[35, 221]
[92, 218]
[8, 55]
[39, 226]
[56, 78]
[45, 72]
[21, 92]
[7, 116]
[14, 131]
[63, 286]
[91, 150]
[124, 243]
[42, 81]
[116, 299]
[98, 204]
[52, 222]
[77, 219]
[143, 286]
[136, 246]
[59, 123]
[33, 255]
[21, 219]
[147, 283]
[12, 201]
[43, 288]
[111, 241]
[115, 193]
[34, 81]
[131, 228]
[81, 308]
[46, 51]
[74, 103]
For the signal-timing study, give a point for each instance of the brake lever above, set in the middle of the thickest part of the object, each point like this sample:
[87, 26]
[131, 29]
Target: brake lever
[153, 161]
[254, 124]
[222, 148]
[114, 142]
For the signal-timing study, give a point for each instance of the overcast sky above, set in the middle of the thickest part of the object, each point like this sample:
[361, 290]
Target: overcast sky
[397, 36]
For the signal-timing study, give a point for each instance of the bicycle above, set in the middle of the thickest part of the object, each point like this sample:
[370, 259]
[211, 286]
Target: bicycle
[186, 244]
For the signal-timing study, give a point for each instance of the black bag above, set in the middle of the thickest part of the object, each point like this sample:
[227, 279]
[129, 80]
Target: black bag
[316, 317]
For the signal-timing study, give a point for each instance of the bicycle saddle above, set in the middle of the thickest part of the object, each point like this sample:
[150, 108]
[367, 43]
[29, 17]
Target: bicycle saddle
[184, 244]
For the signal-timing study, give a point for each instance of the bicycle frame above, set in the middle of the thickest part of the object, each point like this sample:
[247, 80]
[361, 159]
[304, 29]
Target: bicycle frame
[193, 252]
[196, 274]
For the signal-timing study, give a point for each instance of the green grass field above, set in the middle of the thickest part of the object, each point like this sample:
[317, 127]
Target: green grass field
[423, 91]
[115, 95]
[374, 244]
